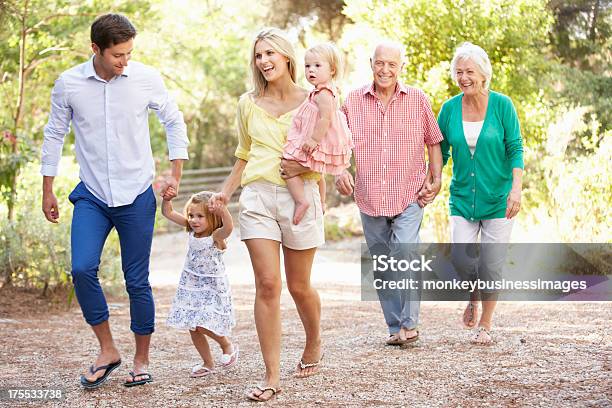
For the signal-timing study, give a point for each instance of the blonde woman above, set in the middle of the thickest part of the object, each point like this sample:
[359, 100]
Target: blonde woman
[266, 207]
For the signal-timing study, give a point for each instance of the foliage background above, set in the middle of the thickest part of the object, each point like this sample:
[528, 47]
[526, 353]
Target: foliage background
[551, 57]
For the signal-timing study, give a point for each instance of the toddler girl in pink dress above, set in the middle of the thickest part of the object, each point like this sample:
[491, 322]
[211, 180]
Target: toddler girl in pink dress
[319, 137]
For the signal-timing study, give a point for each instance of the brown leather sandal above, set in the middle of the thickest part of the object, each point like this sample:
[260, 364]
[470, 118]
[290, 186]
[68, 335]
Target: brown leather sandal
[258, 398]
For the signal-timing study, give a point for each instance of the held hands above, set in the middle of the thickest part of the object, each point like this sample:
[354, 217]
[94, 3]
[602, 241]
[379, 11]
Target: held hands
[168, 194]
[169, 188]
[309, 146]
[429, 191]
[217, 203]
[50, 207]
[513, 205]
[345, 183]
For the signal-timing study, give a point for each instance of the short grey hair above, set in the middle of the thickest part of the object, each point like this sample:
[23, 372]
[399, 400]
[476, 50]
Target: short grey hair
[396, 45]
[467, 50]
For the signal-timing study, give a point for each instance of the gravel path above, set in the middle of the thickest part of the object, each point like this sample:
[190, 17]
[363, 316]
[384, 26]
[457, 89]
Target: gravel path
[547, 354]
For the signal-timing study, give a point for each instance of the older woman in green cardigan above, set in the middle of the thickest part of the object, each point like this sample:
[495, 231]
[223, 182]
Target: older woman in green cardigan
[482, 132]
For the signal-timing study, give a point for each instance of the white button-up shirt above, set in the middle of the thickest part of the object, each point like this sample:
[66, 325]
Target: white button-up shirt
[110, 123]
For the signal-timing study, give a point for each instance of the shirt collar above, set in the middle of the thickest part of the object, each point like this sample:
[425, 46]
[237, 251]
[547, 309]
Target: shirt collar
[90, 71]
[400, 87]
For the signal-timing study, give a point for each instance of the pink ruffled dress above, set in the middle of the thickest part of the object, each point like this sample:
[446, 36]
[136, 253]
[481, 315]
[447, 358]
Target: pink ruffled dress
[334, 152]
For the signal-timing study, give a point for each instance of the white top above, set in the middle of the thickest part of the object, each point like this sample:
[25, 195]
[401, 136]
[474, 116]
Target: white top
[110, 120]
[471, 130]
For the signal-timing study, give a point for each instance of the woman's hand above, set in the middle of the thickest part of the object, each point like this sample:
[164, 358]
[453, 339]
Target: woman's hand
[309, 146]
[291, 168]
[217, 201]
[513, 205]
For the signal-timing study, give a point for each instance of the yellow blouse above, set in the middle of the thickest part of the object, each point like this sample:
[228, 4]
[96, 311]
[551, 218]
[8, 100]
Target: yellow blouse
[261, 138]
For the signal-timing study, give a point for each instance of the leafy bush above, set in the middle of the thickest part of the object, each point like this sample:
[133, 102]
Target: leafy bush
[35, 252]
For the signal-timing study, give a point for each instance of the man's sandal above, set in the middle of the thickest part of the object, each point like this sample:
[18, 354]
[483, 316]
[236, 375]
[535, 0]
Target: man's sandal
[393, 340]
[263, 390]
[148, 378]
[109, 368]
[409, 339]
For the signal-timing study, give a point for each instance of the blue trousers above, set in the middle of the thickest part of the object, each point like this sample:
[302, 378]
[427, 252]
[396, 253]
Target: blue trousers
[386, 234]
[92, 221]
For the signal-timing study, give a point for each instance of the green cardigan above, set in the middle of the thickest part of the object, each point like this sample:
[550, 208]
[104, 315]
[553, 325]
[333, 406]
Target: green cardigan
[481, 182]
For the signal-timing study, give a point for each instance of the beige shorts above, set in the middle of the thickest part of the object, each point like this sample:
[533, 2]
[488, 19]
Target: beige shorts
[266, 211]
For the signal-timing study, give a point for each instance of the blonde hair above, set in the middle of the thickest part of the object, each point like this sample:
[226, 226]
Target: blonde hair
[467, 50]
[279, 43]
[201, 201]
[331, 54]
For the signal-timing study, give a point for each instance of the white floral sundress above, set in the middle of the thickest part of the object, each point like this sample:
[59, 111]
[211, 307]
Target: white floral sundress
[203, 297]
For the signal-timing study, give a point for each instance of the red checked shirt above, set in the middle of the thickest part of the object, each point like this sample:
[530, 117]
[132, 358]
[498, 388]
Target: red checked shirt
[389, 147]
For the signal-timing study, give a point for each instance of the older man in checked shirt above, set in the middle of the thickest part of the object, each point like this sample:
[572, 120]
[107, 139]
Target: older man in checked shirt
[391, 125]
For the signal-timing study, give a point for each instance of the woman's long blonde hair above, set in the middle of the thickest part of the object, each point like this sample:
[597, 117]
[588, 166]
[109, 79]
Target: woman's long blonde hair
[279, 42]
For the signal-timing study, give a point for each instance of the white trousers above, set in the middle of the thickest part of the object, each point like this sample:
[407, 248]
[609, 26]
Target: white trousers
[496, 230]
[488, 263]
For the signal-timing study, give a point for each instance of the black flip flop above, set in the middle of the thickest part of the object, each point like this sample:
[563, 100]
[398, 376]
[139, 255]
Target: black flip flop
[95, 384]
[148, 379]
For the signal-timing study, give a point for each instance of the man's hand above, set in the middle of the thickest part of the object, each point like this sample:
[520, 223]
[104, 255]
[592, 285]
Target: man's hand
[291, 168]
[49, 207]
[170, 193]
[345, 183]
[170, 188]
[429, 191]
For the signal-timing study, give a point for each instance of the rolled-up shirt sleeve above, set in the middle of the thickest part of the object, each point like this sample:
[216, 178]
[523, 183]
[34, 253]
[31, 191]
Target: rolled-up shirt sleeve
[56, 129]
[171, 118]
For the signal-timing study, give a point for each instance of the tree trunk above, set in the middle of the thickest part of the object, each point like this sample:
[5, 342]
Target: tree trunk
[592, 32]
[18, 108]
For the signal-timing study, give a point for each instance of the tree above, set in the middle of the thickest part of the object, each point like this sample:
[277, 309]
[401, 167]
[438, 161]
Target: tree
[38, 33]
[581, 39]
[326, 14]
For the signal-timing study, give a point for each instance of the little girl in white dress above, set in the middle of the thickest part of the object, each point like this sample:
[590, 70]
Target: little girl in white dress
[203, 301]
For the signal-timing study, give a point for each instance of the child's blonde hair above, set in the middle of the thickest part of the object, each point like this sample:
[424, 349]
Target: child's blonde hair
[201, 201]
[280, 43]
[332, 55]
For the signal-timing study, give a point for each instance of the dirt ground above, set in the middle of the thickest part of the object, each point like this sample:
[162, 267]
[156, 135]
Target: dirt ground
[546, 354]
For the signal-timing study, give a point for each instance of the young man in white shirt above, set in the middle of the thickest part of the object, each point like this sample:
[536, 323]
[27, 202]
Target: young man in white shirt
[107, 100]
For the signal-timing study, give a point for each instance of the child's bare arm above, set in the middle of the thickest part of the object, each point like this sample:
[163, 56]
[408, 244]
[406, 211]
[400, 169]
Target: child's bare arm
[169, 213]
[327, 104]
[228, 224]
